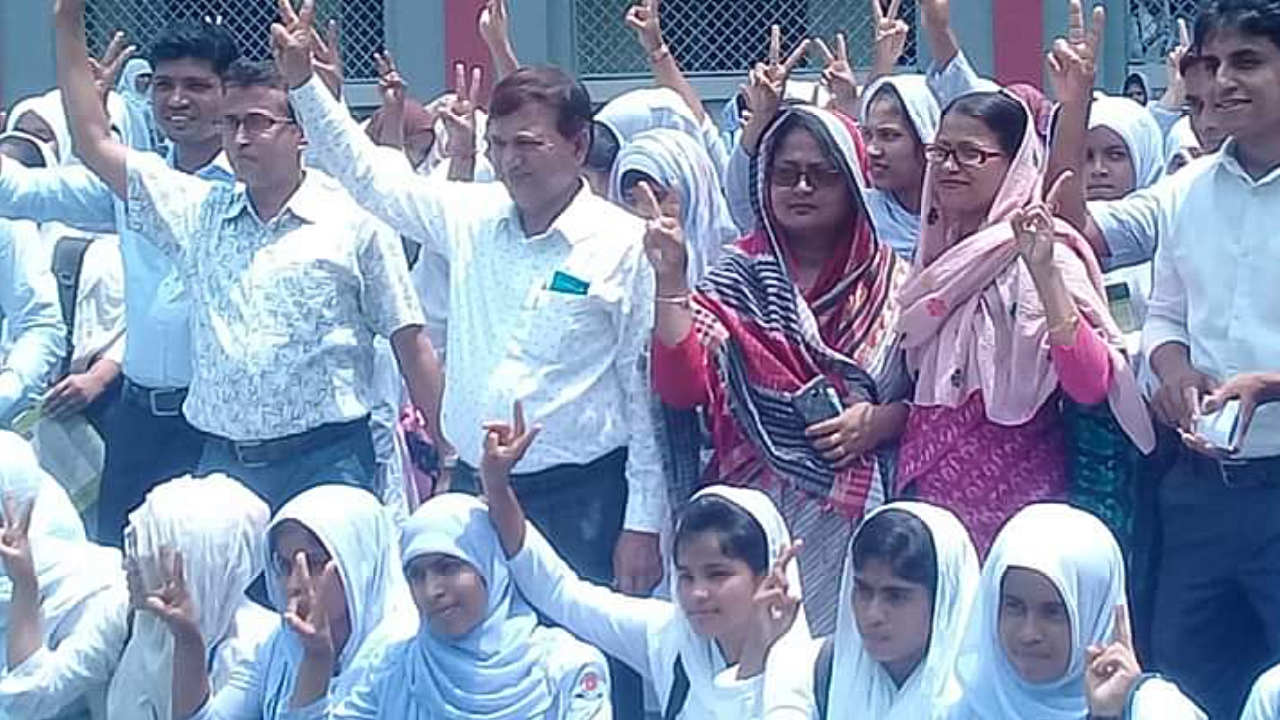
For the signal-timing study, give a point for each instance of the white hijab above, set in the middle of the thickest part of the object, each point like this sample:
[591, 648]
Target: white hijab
[495, 672]
[1140, 132]
[708, 690]
[354, 528]
[860, 686]
[69, 568]
[49, 108]
[139, 129]
[435, 164]
[217, 524]
[681, 163]
[634, 112]
[1079, 555]
[896, 225]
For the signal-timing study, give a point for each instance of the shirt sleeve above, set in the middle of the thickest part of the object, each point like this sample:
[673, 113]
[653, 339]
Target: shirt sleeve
[51, 679]
[70, 195]
[29, 302]
[1167, 307]
[1155, 697]
[387, 297]
[954, 79]
[737, 189]
[1165, 118]
[241, 697]
[380, 179]
[1084, 369]
[165, 206]
[788, 681]
[680, 372]
[1264, 699]
[1130, 227]
[646, 481]
[620, 625]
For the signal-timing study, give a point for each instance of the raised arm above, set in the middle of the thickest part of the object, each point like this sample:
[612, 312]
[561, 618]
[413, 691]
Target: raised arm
[495, 29]
[891, 38]
[90, 128]
[937, 29]
[644, 17]
[380, 179]
[1071, 66]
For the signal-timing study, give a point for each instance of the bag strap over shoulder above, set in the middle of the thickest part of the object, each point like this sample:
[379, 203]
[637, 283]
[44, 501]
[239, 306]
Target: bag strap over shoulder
[68, 262]
[822, 675]
[679, 692]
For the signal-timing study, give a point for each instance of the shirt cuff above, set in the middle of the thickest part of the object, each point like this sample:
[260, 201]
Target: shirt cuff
[10, 394]
[311, 96]
[1159, 331]
[646, 505]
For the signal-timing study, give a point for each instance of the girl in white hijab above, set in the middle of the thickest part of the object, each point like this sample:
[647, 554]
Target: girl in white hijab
[681, 175]
[899, 117]
[349, 549]
[737, 610]
[479, 651]
[214, 525]
[910, 575]
[1264, 699]
[1124, 148]
[134, 88]
[1047, 600]
[44, 117]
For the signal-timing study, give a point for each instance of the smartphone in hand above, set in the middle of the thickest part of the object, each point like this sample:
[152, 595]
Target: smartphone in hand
[817, 401]
[1222, 428]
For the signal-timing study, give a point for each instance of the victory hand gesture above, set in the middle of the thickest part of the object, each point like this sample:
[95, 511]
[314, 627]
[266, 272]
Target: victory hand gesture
[326, 57]
[390, 82]
[305, 613]
[504, 446]
[1072, 62]
[106, 69]
[891, 36]
[291, 41]
[838, 74]
[460, 114]
[663, 240]
[15, 546]
[1033, 229]
[172, 602]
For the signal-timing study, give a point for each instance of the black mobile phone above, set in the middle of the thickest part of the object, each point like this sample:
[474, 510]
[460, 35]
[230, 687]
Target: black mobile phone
[817, 401]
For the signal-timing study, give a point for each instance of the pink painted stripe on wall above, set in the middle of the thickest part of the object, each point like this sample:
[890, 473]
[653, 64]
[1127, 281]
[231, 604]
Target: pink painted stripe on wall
[1018, 29]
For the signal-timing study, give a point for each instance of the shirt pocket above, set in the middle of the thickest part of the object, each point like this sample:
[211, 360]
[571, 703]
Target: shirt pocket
[553, 324]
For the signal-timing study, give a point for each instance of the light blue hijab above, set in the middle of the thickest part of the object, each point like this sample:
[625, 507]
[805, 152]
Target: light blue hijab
[1140, 132]
[494, 672]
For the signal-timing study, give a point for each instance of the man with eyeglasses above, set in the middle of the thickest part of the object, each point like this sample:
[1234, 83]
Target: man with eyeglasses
[289, 282]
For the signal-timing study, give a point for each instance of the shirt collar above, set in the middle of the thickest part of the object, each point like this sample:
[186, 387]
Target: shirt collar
[1228, 161]
[218, 169]
[307, 202]
[575, 223]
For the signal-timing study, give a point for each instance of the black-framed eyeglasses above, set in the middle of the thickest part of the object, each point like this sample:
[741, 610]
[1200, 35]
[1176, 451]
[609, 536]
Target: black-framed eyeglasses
[255, 123]
[788, 176]
[966, 155]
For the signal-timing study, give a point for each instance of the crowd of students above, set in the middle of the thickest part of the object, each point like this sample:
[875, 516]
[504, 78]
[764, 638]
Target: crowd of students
[903, 396]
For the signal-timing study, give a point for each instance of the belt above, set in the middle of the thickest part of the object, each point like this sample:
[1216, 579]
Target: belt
[1250, 473]
[161, 402]
[261, 453]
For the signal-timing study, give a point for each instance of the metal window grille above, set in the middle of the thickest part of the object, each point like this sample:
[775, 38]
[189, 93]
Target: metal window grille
[724, 36]
[248, 20]
[1153, 27]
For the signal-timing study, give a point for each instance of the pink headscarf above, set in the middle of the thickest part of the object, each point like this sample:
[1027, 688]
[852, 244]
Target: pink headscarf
[973, 321]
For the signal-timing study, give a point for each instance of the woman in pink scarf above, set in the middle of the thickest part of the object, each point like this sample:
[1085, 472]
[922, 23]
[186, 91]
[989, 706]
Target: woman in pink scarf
[1003, 312]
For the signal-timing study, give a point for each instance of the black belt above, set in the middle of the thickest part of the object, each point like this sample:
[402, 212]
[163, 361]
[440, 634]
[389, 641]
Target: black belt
[1250, 473]
[161, 402]
[261, 453]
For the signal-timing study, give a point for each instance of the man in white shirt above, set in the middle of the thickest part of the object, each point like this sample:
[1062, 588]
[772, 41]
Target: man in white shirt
[289, 283]
[1213, 315]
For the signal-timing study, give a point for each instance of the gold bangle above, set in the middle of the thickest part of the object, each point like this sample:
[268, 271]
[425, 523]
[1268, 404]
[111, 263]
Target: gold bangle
[1070, 325]
[677, 300]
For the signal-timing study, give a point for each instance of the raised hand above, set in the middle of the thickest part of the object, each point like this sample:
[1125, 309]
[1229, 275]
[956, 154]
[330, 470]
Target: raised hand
[15, 545]
[766, 87]
[326, 57]
[1111, 671]
[505, 445]
[495, 23]
[305, 613]
[106, 69]
[172, 602]
[891, 36]
[1175, 93]
[460, 113]
[1073, 60]
[390, 83]
[936, 13]
[1033, 228]
[291, 41]
[663, 243]
[838, 74]
[776, 610]
[645, 19]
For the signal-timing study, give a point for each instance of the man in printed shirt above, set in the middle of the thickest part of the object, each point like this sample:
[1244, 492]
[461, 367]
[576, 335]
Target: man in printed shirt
[288, 281]
[150, 439]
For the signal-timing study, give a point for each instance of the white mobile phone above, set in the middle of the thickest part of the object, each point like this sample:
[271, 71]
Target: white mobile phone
[1221, 428]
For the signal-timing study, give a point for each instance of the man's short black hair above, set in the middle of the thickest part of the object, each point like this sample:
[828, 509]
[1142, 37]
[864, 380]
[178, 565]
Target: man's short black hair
[193, 39]
[246, 73]
[549, 86]
[1252, 17]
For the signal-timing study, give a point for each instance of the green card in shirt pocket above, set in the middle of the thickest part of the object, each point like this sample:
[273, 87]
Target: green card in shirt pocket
[563, 282]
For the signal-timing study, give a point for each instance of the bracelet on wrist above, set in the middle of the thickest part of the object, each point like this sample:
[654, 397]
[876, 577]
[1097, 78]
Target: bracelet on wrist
[1067, 326]
[681, 300]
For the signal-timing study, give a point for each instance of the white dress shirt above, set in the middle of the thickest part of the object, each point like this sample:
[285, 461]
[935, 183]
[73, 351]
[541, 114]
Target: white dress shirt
[1215, 287]
[33, 322]
[576, 359]
[283, 312]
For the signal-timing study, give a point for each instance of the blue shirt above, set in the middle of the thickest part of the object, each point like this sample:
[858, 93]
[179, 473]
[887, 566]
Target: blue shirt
[29, 303]
[158, 345]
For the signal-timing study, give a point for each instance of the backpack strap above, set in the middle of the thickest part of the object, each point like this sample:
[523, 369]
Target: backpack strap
[679, 692]
[822, 675]
[68, 262]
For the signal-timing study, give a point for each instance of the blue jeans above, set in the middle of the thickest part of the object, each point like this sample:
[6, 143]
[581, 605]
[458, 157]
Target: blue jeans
[346, 461]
